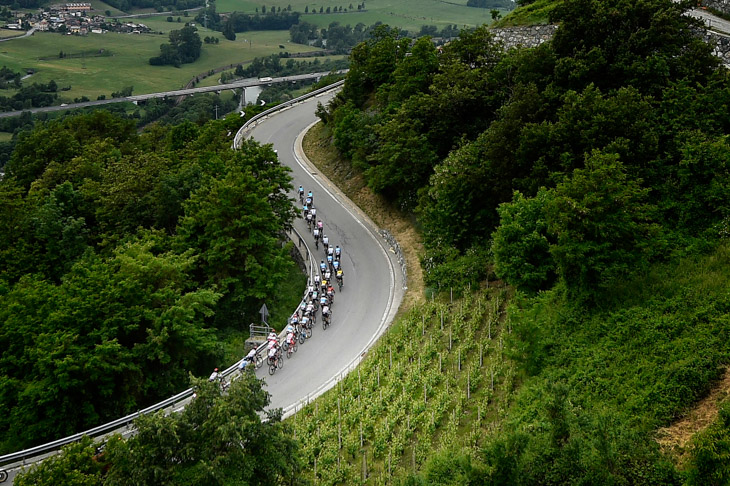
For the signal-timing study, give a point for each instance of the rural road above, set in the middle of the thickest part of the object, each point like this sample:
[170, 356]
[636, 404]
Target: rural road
[373, 279]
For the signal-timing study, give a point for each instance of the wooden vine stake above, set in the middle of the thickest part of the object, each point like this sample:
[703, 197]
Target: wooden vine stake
[481, 355]
[442, 320]
[390, 352]
[449, 339]
[424, 394]
[339, 428]
[414, 456]
[468, 385]
[364, 466]
[423, 325]
[459, 359]
[378, 376]
[491, 385]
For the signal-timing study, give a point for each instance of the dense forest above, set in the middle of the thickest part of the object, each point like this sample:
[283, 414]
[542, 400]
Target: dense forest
[122, 256]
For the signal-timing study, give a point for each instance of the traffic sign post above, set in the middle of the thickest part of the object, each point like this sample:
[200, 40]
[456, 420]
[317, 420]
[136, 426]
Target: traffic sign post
[264, 314]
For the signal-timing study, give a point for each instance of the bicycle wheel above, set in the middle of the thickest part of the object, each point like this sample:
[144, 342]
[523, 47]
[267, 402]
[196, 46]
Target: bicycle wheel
[295, 346]
[324, 324]
[302, 337]
[259, 361]
[285, 345]
[280, 363]
[272, 369]
[289, 351]
[3, 476]
[309, 332]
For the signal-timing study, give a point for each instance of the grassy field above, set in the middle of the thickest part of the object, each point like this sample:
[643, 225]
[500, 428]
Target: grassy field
[407, 14]
[128, 64]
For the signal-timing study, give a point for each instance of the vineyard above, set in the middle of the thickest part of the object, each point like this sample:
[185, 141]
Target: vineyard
[432, 381]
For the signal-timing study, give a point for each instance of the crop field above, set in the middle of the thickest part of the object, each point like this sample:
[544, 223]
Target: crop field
[114, 61]
[438, 365]
[406, 14]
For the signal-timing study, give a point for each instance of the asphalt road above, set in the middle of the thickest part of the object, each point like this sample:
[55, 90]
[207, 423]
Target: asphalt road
[711, 21]
[373, 280]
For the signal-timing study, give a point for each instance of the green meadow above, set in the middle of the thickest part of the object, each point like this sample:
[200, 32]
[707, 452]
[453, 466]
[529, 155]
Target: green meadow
[406, 14]
[99, 73]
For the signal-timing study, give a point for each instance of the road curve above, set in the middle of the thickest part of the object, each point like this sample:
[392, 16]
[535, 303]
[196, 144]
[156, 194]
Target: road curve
[373, 279]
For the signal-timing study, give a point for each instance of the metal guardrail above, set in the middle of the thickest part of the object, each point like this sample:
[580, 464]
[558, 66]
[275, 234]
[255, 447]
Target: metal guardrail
[395, 247]
[126, 421]
[252, 122]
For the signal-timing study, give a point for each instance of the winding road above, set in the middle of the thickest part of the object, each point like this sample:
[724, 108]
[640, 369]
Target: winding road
[373, 279]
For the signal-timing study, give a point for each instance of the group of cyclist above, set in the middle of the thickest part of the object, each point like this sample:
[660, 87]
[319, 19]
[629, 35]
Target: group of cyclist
[318, 300]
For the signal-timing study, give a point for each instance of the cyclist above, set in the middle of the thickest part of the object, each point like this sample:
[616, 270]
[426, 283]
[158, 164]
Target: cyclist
[308, 201]
[336, 266]
[316, 235]
[326, 315]
[316, 282]
[329, 259]
[310, 217]
[324, 286]
[338, 252]
[325, 241]
[294, 319]
[323, 302]
[322, 265]
[250, 358]
[301, 194]
[214, 376]
[310, 195]
[320, 225]
[305, 322]
[291, 336]
[305, 210]
[327, 275]
[331, 293]
[274, 355]
[330, 251]
[339, 276]
[273, 339]
[314, 212]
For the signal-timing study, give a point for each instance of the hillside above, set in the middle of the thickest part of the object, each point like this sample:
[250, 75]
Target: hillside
[579, 174]
[574, 206]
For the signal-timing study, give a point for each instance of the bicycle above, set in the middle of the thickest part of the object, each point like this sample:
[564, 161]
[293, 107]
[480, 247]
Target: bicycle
[291, 349]
[308, 329]
[277, 364]
[326, 321]
[270, 360]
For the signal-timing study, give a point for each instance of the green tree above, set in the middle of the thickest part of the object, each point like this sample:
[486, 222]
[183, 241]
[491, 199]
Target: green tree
[521, 246]
[602, 225]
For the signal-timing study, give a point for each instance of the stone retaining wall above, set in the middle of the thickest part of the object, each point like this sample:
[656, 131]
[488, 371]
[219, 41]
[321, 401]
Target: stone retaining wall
[525, 36]
[534, 35]
[719, 5]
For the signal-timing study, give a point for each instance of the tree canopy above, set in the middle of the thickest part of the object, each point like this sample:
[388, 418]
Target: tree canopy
[123, 254]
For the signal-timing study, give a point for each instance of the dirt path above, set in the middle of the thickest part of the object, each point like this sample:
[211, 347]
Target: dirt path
[319, 150]
[674, 439]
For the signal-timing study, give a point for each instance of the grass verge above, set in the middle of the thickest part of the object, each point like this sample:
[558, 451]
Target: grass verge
[317, 145]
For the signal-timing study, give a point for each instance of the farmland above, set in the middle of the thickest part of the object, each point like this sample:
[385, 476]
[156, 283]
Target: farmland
[94, 76]
[406, 14]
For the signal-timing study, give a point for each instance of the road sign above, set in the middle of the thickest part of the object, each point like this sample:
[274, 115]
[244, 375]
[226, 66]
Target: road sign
[264, 313]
